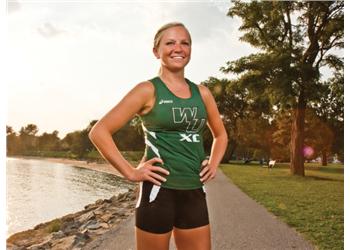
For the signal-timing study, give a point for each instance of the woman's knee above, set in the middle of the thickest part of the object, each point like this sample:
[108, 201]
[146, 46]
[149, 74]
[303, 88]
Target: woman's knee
[151, 241]
[193, 239]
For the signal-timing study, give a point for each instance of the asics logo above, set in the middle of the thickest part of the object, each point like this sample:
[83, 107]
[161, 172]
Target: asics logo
[189, 137]
[165, 101]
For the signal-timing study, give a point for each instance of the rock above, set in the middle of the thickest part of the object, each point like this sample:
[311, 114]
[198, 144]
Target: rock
[77, 229]
[98, 212]
[70, 227]
[94, 226]
[99, 202]
[81, 239]
[14, 247]
[57, 235]
[65, 243]
[106, 217]
[105, 225]
[41, 246]
[107, 201]
[90, 206]
[87, 216]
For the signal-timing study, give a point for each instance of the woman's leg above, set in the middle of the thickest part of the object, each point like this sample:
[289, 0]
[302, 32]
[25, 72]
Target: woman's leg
[193, 239]
[152, 241]
[154, 220]
[191, 225]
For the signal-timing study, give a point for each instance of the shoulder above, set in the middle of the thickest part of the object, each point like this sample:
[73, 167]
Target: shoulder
[145, 88]
[205, 92]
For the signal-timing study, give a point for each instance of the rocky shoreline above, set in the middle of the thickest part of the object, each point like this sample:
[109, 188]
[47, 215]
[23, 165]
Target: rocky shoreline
[74, 231]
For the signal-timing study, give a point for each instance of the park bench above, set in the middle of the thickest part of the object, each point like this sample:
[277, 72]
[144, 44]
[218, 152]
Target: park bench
[271, 163]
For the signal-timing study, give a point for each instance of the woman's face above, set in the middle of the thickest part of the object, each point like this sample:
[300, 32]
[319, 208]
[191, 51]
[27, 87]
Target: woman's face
[174, 50]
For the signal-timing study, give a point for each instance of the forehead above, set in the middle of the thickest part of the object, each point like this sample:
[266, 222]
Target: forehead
[177, 32]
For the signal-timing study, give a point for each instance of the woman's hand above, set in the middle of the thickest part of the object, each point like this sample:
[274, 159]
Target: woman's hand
[208, 172]
[146, 171]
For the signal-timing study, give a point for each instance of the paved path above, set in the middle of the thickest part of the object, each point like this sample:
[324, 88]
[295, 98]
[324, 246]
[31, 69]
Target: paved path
[237, 222]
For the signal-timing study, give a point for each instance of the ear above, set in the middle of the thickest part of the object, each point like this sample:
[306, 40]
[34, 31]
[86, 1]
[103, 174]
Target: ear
[155, 52]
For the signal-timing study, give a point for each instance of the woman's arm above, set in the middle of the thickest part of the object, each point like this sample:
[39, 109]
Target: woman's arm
[101, 135]
[218, 131]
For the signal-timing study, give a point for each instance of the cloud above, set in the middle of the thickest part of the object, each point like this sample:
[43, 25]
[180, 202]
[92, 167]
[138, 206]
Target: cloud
[48, 30]
[13, 6]
[204, 20]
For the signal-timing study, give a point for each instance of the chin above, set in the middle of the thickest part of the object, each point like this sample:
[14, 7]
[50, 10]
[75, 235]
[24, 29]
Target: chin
[177, 66]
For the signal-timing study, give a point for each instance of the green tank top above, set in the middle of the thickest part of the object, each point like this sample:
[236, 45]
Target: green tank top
[173, 131]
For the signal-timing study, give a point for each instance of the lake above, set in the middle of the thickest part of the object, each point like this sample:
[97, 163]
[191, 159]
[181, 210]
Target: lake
[38, 191]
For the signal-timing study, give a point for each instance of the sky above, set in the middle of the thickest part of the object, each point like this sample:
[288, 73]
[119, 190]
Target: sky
[71, 61]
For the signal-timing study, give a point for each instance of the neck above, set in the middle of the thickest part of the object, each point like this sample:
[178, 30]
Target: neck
[172, 76]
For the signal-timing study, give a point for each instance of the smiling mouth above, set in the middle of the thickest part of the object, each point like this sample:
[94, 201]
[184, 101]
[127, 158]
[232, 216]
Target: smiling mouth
[178, 57]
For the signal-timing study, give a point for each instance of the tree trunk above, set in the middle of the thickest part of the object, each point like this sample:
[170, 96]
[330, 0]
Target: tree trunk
[297, 139]
[324, 157]
[229, 151]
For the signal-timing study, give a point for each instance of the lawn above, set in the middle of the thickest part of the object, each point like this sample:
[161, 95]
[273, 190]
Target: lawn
[313, 205]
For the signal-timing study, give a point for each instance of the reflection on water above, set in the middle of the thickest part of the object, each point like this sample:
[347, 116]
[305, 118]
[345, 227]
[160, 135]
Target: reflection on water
[38, 191]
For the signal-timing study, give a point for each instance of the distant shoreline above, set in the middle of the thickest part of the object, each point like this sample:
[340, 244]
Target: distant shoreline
[101, 167]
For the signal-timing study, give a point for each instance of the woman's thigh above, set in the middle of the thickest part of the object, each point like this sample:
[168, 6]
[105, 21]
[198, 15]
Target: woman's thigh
[152, 241]
[191, 225]
[193, 239]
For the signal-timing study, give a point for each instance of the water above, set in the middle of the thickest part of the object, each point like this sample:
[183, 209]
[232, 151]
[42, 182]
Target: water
[38, 191]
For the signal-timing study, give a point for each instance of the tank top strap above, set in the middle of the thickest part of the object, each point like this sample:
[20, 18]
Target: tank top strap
[194, 89]
[161, 90]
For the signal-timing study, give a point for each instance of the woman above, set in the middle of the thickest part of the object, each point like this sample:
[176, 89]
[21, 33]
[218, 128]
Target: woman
[174, 112]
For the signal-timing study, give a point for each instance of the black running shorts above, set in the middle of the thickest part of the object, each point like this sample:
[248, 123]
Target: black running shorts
[158, 210]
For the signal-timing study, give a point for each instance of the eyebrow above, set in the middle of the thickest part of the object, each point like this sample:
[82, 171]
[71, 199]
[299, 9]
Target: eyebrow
[173, 40]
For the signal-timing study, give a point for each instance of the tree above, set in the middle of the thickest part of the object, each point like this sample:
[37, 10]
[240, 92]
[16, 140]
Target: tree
[235, 104]
[318, 136]
[295, 40]
[49, 142]
[129, 137]
[330, 108]
[28, 139]
[231, 104]
[12, 142]
[255, 134]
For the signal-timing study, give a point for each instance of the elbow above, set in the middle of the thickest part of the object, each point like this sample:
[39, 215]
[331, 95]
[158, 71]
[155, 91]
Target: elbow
[222, 137]
[225, 137]
[93, 134]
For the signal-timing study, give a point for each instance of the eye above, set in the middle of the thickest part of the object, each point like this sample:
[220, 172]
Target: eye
[170, 43]
[186, 43]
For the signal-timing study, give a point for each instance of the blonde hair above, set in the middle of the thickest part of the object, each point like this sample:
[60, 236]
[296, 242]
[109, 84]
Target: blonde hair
[159, 33]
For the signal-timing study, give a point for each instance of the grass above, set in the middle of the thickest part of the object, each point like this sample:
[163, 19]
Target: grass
[54, 226]
[313, 205]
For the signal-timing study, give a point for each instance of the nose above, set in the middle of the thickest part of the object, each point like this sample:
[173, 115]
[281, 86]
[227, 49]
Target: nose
[177, 47]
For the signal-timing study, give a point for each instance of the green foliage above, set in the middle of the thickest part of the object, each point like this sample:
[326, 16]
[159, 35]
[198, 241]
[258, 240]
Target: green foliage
[318, 135]
[75, 145]
[54, 226]
[254, 136]
[313, 205]
[129, 137]
[135, 156]
[294, 39]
